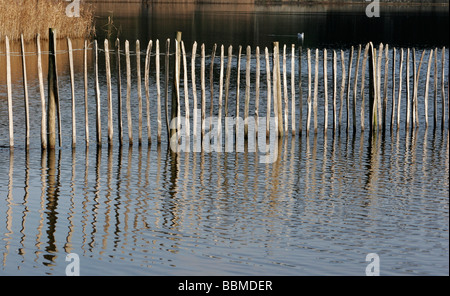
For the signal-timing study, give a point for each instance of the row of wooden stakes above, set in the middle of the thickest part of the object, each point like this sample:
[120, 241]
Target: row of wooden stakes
[277, 90]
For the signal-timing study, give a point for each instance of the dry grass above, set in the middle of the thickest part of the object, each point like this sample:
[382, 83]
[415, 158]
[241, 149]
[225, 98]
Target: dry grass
[30, 17]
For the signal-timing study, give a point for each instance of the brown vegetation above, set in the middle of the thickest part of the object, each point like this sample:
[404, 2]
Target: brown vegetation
[30, 17]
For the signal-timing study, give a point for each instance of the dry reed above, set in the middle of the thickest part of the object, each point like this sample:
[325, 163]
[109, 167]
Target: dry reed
[32, 17]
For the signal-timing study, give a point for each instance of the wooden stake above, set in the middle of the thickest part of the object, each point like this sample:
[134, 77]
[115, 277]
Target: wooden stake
[408, 98]
[257, 85]
[202, 82]
[129, 118]
[393, 89]
[97, 95]
[416, 100]
[139, 89]
[355, 87]
[247, 92]
[426, 87]
[187, 127]
[325, 86]
[435, 86]
[147, 89]
[238, 79]
[286, 111]
[86, 112]
[25, 91]
[308, 116]
[399, 101]
[292, 89]
[335, 93]
[109, 93]
[219, 128]
[9, 90]
[194, 90]
[211, 84]
[363, 76]
[158, 93]
[379, 103]
[300, 119]
[42, 93]
[443, 89]
[386, 72]
[167, 59]
[316, 89]
[350, 62]
[269, 93]
[342, 88]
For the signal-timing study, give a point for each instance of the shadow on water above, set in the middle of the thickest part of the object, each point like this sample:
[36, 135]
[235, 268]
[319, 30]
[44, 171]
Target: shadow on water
[147, 210]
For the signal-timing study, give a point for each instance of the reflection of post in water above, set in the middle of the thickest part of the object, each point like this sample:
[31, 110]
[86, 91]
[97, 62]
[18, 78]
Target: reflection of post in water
[53, 188]
[42, 204]
[372, 163]
[68, 244]
[9, 198]
[96, 203]
[108, 197]
[173, 164]
[85, 202]
[25, 201]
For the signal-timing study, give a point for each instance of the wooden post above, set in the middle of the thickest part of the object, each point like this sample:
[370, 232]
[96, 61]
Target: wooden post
[238, 80]
[139, 90]
[109, 92]
[86, 113]
[416, 100]
[166, 96]
[393, 88]
[175, 87]
[350, 61]
[399, 101]
[285, 91]
[363, 76]
[408, 98]
[335, 93]
[414, 96]
[342, 88]
[325, 86]
[435, 86]
[269, 93]
[211, 84]
[300, 90]
[379, 104]
[219, 128]
[203, 95]
[158, 93]
[9, 90]
[443, 89]
[308, 116]
[97, 95]
[257, 85]
[227, 79]
[277, 88]
[72, 88]
[42, 93]
[194, 90]
[316, 89]
[426, 88]
[147, 89]
[386, 71]
[372, 87]
[25, 90]
[129, 118]
[52, 92]
[187, 127]
[292, 89]
[247, 92]
[355, 87]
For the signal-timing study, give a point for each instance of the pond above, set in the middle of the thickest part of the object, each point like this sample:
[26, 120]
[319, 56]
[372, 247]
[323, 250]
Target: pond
[325, 203]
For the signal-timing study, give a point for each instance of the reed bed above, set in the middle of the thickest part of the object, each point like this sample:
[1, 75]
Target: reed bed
[32, 17]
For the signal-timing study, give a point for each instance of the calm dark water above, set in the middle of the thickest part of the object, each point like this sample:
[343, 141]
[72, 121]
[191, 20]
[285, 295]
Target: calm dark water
[327, 201]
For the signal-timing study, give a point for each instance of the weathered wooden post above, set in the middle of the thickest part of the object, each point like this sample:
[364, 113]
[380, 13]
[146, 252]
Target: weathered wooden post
[119, 93]
[72, 88]
[52, 91]
[175, 91]
[25, 90]
[42, 93]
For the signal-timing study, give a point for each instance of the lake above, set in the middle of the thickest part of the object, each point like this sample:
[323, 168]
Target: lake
[325, 203]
